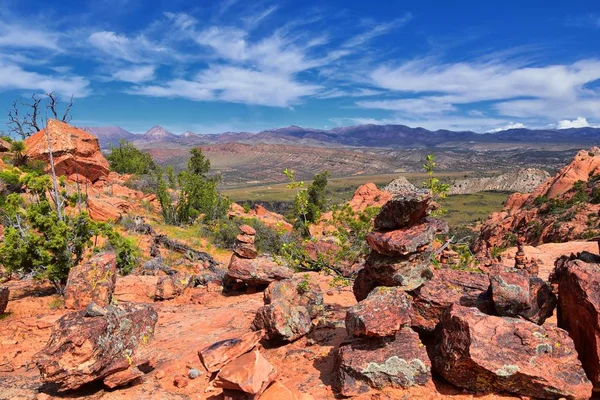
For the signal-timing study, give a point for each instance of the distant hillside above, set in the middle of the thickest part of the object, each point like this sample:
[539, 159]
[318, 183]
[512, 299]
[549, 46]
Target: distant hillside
[381, 136]
[109, 135]
[524, 180]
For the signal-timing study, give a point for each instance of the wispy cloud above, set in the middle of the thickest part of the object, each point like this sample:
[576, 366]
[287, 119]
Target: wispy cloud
[14, 77]
[136, 74]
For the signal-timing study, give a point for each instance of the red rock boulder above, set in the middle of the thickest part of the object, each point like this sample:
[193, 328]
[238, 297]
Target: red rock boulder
[579, 309]
[301, 290]
[484, 354]
[93, 280]
[171, 286]
[362, 364]
[404, 210]
[250, 373]
[283, 321]
[448, 287]
[254, 272]
[383, 313]
[84, 349]
[74, 151]
[405, 240]
[218, 354]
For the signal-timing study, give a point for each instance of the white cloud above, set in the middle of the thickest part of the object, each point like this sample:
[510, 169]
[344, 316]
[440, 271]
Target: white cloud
[135, 50]
[357, 92]
[580, 122]
[412, 106]
[14, 77]
[19, 36]
[512, 125]
[136, 74]
[237, 85]
[377, 30]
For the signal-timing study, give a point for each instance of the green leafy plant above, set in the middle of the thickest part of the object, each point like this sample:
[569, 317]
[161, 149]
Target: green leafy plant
[127, 159]
[438, 189]
[309, 202]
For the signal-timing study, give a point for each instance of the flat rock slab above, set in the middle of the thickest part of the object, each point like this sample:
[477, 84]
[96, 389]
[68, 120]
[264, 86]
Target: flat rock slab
[218, 354]
[255, 272]
[250, 373]
[93, 280]
[362, 364]
[402, 241]
[484, 353]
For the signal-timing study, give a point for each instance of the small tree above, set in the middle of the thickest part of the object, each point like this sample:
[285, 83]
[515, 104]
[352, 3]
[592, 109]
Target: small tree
[439, 190]
[126, 159]
[317, 202]
[309, 202]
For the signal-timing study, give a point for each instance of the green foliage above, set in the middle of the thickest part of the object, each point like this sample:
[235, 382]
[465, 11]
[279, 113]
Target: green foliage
[439, 190]
[304, 284]
[17, 147]
[197, 194]
[309, 202]
[45, 243]
[497, 251]
[126, 159]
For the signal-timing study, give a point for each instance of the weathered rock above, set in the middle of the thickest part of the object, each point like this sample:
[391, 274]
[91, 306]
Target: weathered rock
[283, 321]
[448, 287]
[85, 349]
[484, 353]
[400, 186]
[4, 146]
[250, 373]
[269, 218]
[381, 314]
[405, 240]
[257, 272]
[408, 272]
[125, 377]
[364, 283]
[73, 150]
[169, 287]
[245, 250]
[404, 210]
[4, 295]
[399, 362]
[300, 290]
[247, 230]
[278, 391]
[218, 354]
[93, 280]
[250, 239]
[516, 293]
[579, 309]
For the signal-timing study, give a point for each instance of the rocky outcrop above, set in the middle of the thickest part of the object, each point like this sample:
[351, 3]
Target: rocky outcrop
[558, 210]
[4, 296]
[399, 362]
[515, 293]
[404, 211]
[579, 309]
[84, 348]
[218, 354]
[92, 281]
[290, 307]
[484, 353]
[448, 287]
[4, 146]
[381, 314]
[400, 186]
[524, 180]
[74, 151]
[403, 241]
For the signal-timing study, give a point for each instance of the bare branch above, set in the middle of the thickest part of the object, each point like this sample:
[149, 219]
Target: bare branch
[66, 117]
[35, 106]
[16, 125]
[52, 105]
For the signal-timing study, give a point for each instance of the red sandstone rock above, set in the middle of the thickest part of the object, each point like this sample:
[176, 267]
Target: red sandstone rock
[301, 290]
[247, 230]
[278, 391]
[406, 240]
[448, 287]
[245, 250]
[169, 287]
[250, 373]
[218, 354]
[84, 349]
[363, 284]
[403, 211]
[104, 208]
[74, 151]
[579, 309]
[283, 321]
[516, 293]
[269, 218]
[381, 314]
[399, 362]
[257, 272]
[485, 353]
[245, 238]
[93, 280]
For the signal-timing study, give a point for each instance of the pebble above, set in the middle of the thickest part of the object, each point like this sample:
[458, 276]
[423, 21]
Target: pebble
[180, 382]
[194, 373]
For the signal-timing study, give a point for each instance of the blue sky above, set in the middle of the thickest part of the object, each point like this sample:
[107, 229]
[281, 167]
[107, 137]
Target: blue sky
[239, 65]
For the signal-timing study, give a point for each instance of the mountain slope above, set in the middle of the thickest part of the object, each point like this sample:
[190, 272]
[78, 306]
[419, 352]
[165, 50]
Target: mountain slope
[109, 135]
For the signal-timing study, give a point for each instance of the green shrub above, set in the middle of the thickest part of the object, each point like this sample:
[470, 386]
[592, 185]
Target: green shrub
[126, 159]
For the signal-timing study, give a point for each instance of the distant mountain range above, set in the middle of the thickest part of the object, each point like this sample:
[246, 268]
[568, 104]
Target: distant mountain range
[380, 136]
